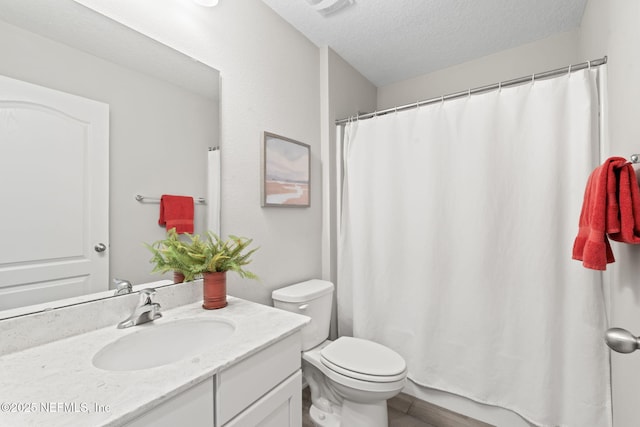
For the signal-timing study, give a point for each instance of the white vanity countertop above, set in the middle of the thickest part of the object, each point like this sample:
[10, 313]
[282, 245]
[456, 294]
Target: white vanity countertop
[60, 375]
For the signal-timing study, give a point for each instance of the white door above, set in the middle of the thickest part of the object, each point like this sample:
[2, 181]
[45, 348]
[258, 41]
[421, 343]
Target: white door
[54, 194]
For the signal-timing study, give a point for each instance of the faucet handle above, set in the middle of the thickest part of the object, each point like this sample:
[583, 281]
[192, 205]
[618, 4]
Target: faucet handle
[146, 295]
[122, 286]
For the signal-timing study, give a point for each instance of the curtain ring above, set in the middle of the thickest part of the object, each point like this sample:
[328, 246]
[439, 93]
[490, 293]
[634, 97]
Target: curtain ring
[589, 64]
[570, 69]
[442, 99]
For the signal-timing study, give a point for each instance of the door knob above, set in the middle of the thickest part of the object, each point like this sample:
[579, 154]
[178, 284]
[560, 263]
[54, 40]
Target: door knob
[100, 247]
[621, 340]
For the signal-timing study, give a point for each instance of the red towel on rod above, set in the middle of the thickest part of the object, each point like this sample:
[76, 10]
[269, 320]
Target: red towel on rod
[176, 212]
[599, 216]
[629, 204]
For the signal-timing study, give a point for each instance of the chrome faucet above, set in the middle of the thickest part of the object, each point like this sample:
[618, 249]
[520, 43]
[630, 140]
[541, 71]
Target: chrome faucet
[145, 311]
[122, 286]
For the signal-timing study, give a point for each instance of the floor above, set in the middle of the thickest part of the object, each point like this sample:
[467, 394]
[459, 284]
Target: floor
[407, 411]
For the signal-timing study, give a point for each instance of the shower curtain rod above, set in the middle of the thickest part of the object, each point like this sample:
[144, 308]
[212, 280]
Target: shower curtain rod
[480, 89]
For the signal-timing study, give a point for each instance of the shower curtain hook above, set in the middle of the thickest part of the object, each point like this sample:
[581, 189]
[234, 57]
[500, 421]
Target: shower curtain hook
[469, 93]
[589, 64]
[533, 78]
[442, 99]
[570, 69]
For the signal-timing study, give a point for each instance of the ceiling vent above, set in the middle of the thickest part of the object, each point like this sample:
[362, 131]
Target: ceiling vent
[329, 7]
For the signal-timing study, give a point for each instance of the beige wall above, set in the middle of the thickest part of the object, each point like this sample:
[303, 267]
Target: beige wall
[547, 54]
[270, 81]
[612, 27]
[154, 126]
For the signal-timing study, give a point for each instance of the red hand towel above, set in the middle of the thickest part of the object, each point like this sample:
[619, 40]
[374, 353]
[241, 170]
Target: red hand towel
[629, 202]
[599, 216]
[176, 212]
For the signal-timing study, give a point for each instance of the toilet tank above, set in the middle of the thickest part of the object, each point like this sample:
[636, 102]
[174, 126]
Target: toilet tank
[312, 298]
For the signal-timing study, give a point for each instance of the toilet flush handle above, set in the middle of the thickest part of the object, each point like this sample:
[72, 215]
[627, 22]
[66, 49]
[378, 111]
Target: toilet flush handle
[303, 307]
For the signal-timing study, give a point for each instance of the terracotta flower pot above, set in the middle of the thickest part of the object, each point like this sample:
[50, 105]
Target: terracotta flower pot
[214, 290]
[178, 277]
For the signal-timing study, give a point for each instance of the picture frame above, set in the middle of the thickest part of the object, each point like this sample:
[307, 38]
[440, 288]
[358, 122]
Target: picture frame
[286, 172]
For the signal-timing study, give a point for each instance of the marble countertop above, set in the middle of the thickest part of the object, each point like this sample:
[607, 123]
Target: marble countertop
[56, 384]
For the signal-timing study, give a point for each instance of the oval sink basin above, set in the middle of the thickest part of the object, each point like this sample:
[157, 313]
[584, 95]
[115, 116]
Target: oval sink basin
[160, 344]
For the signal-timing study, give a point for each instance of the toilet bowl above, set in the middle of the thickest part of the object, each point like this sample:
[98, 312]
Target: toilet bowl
[350, 378]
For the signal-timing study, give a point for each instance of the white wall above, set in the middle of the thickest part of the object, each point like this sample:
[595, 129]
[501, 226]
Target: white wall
[344, 91]
[154, 126]
[612, 28]
[270, 82]
[547, 54]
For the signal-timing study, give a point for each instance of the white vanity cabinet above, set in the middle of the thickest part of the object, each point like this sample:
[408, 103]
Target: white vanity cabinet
[193, 408]
[263, 390]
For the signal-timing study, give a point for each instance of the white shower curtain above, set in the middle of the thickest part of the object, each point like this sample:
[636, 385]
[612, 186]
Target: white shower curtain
[458, 220]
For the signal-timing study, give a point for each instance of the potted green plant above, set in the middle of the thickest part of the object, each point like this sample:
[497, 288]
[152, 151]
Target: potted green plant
[209, 258]
[212, 258]
[171, 254]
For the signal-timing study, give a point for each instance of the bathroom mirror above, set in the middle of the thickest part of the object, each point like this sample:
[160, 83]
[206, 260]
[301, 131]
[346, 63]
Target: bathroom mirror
[163, 118]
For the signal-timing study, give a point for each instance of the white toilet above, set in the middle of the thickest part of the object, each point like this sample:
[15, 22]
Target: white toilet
[350, 378]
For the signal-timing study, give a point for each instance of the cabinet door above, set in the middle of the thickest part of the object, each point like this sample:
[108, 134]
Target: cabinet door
[281, 407]
[193, 408]
[244, 383]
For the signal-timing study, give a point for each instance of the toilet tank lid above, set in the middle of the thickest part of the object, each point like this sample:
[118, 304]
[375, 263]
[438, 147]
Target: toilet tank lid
[303, 291]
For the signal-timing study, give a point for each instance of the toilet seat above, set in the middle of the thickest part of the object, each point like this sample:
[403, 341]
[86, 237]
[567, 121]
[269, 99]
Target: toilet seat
[363, 360]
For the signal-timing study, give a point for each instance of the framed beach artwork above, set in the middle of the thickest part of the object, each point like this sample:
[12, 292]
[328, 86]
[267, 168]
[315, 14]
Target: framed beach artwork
[286, 174]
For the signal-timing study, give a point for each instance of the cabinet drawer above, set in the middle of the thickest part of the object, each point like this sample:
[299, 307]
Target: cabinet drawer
[245, 382]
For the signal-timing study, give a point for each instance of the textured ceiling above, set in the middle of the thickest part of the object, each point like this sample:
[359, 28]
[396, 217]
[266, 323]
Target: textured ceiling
[393, 40]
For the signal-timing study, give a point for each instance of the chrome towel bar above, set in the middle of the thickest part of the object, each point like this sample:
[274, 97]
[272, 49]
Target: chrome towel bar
[199, 200]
